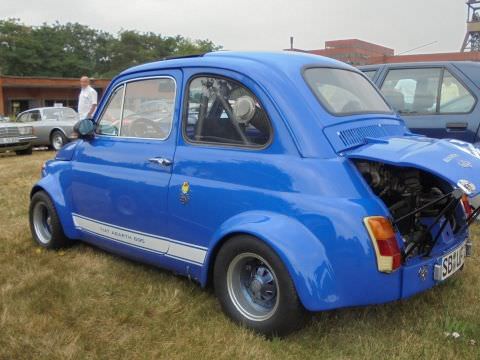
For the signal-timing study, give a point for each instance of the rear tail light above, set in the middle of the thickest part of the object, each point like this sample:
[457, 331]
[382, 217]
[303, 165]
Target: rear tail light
[389, 256]
[467, 208]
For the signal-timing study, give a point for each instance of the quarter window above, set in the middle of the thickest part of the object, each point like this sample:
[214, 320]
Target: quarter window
[370, 73]
[109, 123]
[223, 111]
[426, 91]
[23, 118]
[455, 98]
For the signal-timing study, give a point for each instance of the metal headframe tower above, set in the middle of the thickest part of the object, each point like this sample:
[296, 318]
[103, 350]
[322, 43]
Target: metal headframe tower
[472, 37]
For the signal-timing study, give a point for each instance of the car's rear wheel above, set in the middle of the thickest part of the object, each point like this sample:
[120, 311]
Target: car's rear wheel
[45, 224]
[57, 140]
[27, 151]
[255, 289]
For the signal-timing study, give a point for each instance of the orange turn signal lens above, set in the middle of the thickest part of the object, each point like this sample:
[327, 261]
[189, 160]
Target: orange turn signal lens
[381, 227]
[466, 206]
[382, 234]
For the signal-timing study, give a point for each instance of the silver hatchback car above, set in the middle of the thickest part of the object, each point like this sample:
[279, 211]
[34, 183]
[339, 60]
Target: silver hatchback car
[53, 126]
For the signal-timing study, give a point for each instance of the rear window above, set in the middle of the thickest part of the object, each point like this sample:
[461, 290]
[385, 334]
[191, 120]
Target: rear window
[345, 92]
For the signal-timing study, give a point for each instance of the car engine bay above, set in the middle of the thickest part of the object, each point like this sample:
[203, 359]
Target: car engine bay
[417, 201]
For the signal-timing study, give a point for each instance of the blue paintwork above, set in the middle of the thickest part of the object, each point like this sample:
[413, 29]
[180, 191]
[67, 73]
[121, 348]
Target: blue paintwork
[437, 125]
[301, 195]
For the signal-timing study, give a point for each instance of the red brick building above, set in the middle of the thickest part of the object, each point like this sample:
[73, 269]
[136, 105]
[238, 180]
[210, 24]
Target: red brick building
[358, 52]
[352, 51]
[21, 93]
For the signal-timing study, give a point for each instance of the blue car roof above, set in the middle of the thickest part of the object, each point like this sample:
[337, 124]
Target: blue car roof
[222, 59]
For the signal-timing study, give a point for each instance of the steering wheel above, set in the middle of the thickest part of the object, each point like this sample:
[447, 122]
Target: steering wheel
[145, 128]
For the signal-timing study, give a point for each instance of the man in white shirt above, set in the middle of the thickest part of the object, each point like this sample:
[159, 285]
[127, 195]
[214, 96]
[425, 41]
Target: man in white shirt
[87, 100]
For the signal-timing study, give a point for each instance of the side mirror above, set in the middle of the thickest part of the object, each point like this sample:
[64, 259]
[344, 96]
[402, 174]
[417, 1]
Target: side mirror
[84, 128]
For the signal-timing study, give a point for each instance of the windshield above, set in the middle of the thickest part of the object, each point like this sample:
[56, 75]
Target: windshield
[345, 92]
[60, 114]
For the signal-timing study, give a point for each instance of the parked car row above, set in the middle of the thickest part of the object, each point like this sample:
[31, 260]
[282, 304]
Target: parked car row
[50, 126]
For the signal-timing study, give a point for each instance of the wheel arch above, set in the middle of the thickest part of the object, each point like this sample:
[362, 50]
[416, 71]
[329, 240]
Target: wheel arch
[302, 253]
[53, 190]
[36, 188]
[56, 129]
[212, 254]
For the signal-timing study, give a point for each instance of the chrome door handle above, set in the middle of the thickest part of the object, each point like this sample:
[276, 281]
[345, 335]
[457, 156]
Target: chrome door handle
[161, 161]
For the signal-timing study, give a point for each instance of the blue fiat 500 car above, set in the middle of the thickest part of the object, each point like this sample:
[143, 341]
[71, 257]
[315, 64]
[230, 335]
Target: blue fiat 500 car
[283, 180]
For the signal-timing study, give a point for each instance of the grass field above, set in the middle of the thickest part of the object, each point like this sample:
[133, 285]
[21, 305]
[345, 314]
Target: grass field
[83, 303]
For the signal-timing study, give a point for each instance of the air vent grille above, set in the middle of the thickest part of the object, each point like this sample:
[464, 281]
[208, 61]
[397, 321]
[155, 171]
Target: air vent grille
[357, 136]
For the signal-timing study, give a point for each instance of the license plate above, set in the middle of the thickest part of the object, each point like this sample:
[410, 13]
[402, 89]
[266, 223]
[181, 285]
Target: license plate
[8, 140]
[450, 263]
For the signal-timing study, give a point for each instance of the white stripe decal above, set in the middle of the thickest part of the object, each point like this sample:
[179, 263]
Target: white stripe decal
[145, 241]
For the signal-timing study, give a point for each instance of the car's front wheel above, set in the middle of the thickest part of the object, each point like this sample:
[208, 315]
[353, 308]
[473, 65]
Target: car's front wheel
[255, 288]
[45, 224]
[57, 140]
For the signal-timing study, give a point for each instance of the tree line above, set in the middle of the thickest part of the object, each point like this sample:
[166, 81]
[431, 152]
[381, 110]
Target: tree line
[72, 49]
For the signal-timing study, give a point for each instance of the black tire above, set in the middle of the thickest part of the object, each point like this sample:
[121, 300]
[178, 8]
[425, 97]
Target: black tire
[57, 140]
[27, 151]
[45, 224]
[286, 316]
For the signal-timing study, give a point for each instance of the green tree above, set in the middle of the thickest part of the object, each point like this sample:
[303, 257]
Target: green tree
[72, 49]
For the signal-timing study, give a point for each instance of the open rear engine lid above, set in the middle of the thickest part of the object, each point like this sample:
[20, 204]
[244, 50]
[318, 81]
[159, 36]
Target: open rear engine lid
[455, 161]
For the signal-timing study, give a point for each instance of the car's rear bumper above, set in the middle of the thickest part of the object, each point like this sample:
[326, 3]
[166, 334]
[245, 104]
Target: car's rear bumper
[419, 275]
[415, 276]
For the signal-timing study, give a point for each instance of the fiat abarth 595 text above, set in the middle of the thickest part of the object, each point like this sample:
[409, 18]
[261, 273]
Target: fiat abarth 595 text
[284, 180]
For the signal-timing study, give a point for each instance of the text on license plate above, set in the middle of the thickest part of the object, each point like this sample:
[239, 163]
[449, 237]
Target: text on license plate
[450, 263]
[8, 140]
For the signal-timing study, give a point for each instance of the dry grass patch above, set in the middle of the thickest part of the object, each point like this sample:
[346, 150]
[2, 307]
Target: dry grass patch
[83, 303]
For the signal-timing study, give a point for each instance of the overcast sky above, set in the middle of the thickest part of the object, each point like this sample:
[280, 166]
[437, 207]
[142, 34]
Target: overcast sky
[265, 24]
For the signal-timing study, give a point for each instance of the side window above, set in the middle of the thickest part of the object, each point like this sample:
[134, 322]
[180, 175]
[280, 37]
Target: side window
[148, 108]
[223, 111]
[35, 116]
[109, 123]
[370, 73]
[454, 97]
[412, 91]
